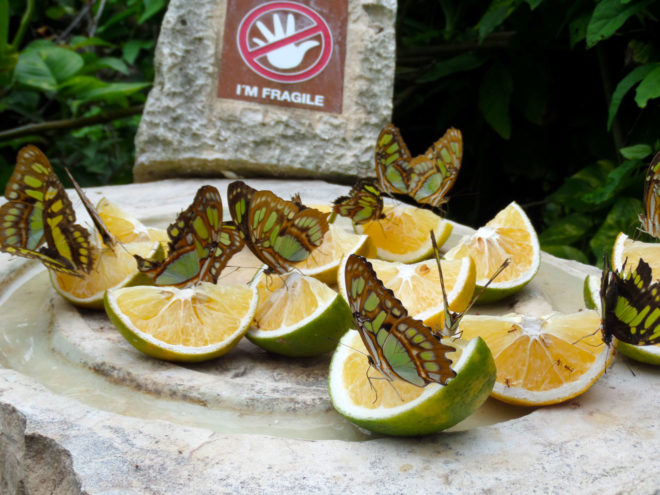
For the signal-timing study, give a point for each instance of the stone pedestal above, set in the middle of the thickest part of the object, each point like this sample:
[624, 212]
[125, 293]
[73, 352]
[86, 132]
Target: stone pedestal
[226, 102]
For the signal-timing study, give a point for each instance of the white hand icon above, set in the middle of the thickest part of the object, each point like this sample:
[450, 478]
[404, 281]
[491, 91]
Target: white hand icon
[288, 56]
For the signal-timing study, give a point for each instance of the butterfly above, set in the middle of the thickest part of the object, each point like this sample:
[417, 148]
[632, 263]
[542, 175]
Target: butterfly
[452, 318]
[200, 244]
[399, 346]
[38, 221]
[364, 202]
[651, 219]
[630, 303]
[280, 233]
[426, 178]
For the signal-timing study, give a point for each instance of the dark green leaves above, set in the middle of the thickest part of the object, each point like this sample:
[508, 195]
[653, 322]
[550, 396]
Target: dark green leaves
[494, 97]
[609, 16]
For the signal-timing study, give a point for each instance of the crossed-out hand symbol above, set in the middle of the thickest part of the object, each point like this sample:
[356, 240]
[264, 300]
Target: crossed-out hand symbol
[288, 56]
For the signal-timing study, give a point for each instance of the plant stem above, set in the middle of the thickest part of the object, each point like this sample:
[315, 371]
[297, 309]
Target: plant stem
[25, 21]
[70, 123]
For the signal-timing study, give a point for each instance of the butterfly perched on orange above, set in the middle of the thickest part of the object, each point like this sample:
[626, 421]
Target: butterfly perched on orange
[651, 218]
[279, 232]
[38, 221]
[399, 346]
[363, 204]
[426, 178]
[200, 244]
[630, 302]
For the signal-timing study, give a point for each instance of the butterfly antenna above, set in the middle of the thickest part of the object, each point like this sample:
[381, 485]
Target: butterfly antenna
[108, 238]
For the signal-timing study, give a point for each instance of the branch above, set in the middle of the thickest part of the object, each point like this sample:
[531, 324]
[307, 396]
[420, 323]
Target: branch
[70, 123]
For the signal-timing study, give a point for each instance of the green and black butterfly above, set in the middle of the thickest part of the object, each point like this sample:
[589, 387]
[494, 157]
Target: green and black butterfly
[200, 244]
[38, 221]
[651, 219]
[280, 233]
[364, 202]
[399, 346]
[426, 178]
[630, 302]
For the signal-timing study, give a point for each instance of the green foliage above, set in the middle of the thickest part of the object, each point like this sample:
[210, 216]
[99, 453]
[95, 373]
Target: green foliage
[558, 103]
[73, 60]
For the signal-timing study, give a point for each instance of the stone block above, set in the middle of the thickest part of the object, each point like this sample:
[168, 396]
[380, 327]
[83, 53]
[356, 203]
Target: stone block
[323, 126]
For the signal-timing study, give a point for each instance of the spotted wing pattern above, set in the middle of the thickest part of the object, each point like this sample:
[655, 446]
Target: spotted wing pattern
[38, 220]
[200, 244]
[399, 346]
[363, 204]
[631, 305]
[651, 219]
[426, 178]
[280, 233]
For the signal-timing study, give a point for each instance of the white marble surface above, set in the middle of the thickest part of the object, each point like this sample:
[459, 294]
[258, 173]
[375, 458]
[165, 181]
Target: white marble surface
[605, 441]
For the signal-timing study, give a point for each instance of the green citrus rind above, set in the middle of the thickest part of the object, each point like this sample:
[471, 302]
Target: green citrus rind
[438, 408]
[316, 334]
[649, 354]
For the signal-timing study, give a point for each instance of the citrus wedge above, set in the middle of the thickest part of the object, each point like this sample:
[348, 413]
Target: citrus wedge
[403, 234]
[191, 324]
[417, 285]
[509, 235]
[298, 315]
[112, 268]
[400, 408]
[542, 361]
[125, 227]
[323, 262]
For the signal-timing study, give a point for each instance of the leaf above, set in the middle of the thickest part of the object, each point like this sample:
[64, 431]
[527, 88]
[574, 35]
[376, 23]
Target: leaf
[622, 217]
[533, 3]
[571, 193]
[61, 63]
[113, 63]
[131, 49]
[151, 8]
[649, 88]
[608, 17]
[566, 252]
[112, 90]
[83, 41]
[577, 28]
[496, 14]
[625, 85]
[617, 179]
[33, 72]
[566, 230]
[459, 63]
[636, 152]
[494, 97]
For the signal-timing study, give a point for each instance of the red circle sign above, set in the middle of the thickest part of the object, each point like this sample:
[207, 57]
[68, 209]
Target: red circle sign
[278, 52]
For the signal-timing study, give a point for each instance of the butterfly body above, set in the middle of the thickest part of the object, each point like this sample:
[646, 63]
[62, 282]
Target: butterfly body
[200, 244]
[280, 233]
[38, 221]
[363, 204]
[426, 178]
[631, 305]
[399, 346]
[651, 219]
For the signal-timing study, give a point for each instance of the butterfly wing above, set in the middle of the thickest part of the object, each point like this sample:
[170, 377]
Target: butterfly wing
[434, 173]
[631, 305]
[399, 346]
[651, 219]
[363, 204]
[280, 233]
[392, 161]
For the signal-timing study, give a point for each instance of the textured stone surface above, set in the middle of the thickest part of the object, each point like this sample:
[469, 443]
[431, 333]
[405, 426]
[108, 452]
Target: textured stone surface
[187, 130]
[604, 441]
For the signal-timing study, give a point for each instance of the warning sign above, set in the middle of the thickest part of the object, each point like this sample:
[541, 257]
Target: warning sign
[284, 53]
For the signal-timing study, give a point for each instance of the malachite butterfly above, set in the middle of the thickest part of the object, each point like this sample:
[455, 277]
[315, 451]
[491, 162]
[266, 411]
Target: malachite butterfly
[107, 238]
[630, 302]
[364, 202]
[200, 244]
[426, 178]
[38, 221]
[651, 219]
[399, 346]
[452, 318]
[280, 233]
